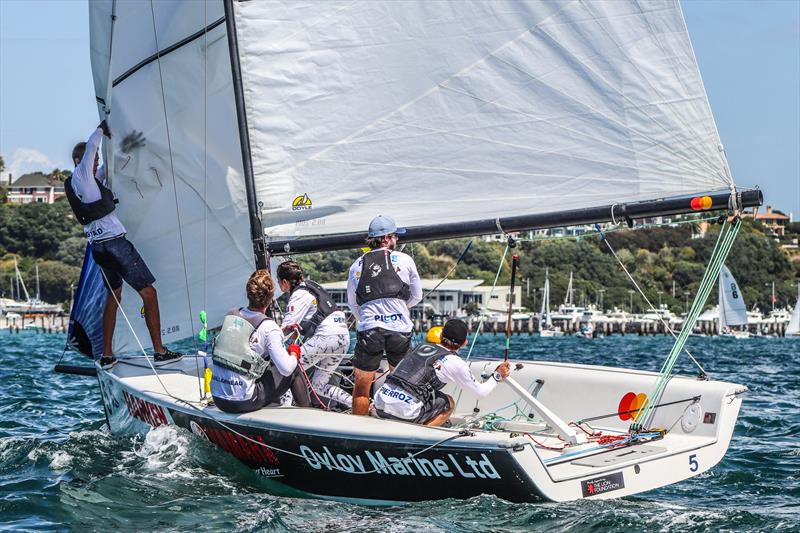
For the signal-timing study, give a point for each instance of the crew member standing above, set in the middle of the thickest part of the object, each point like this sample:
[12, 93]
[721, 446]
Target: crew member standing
[382, 285]
[93, 204]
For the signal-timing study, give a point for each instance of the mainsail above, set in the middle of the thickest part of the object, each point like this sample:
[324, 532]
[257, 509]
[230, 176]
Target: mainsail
[732, 310]
[445, 112]
[316, 116]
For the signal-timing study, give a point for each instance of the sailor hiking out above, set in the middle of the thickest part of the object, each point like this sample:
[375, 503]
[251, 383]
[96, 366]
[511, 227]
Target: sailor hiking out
[382, 285]
[93, 204]
[252, 368]
[412, 392]
[312, 313]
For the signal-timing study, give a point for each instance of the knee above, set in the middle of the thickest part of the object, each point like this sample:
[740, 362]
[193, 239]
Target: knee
[114, 296]
[148, 293]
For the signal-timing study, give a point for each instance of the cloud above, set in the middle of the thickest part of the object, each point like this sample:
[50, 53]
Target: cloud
[27, 160]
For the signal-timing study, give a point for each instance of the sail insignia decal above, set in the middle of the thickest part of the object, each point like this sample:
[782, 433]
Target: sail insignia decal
[302, 202]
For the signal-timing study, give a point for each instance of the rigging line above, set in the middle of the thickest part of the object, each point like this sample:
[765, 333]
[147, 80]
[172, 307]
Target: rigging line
[593, 233]
[646, 299]
[452, 269]
[175, 190]
[135, 336]
[483, 316]
[610, 415]
[201, 378]
[721, 249]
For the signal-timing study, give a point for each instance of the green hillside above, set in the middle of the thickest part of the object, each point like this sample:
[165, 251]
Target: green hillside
[49, 235]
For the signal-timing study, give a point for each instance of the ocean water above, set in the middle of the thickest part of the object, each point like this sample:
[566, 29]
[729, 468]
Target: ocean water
[61, 470]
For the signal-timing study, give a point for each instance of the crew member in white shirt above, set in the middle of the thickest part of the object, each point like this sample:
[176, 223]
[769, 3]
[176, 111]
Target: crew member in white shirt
[93, 204]
[312, 313]
[255, 337]
[382, 285]
[412, 392]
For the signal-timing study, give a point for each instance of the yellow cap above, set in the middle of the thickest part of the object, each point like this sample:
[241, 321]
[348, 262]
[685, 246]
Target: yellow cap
[434, 335]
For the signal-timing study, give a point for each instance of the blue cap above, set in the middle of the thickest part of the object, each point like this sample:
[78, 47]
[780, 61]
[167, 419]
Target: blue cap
[382, 225]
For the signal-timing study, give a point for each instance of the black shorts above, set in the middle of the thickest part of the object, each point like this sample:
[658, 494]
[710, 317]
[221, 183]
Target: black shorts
[438, 404]
[371, 344]
[120, 261]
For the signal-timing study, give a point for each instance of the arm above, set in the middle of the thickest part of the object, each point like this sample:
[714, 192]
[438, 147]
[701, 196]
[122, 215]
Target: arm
[85, 169]
[352, 283]
[453, 369]
[284, 362]
[297, 308]
[414, 283]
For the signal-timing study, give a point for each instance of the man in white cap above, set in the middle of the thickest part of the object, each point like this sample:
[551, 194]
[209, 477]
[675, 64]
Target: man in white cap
[382, 285]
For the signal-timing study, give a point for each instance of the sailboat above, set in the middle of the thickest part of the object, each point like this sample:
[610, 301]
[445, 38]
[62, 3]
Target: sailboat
[27, 305]
[546, 328]
[246, 131]
[568, 311]
[732, 310]
[793, 328]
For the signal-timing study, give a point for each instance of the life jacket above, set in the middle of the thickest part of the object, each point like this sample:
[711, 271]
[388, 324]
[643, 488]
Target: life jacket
[416, 374]
[379, 278]
[87, 213]
[231, 348]
[325, 306]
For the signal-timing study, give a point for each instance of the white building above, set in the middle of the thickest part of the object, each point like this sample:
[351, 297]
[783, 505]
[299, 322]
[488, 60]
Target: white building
[449, 299]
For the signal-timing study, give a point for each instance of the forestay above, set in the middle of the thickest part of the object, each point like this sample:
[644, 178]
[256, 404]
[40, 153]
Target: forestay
[182, 192]
[443, 111]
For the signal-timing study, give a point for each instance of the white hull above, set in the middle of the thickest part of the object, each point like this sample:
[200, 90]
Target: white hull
[737, 334]
[550, 333]
[369, 460]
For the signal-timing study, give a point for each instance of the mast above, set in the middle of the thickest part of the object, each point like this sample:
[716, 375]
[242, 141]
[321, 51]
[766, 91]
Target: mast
[256, 228]
[592, 215]
[37, 281]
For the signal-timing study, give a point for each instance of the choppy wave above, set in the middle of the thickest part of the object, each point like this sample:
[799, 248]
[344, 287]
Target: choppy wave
[61, 470]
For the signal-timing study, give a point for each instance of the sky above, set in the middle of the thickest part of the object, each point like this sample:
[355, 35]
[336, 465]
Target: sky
[748, 51]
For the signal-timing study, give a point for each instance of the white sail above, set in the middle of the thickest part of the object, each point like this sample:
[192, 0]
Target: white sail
[451, 111]
[732, 310]
[545, 314]
[182, 196]
[568, 295]
[793, 328]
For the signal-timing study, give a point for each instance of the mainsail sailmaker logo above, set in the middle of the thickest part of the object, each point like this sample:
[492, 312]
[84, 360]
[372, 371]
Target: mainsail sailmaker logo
[631, 406]
[301, 202]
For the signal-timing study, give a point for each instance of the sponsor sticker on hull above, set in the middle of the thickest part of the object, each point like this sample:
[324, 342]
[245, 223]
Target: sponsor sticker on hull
[599, 485]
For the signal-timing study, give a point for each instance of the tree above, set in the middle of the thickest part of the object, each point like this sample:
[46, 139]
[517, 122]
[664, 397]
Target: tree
[58, 175]
[71, 251]
[3, 188]
[55, 280]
